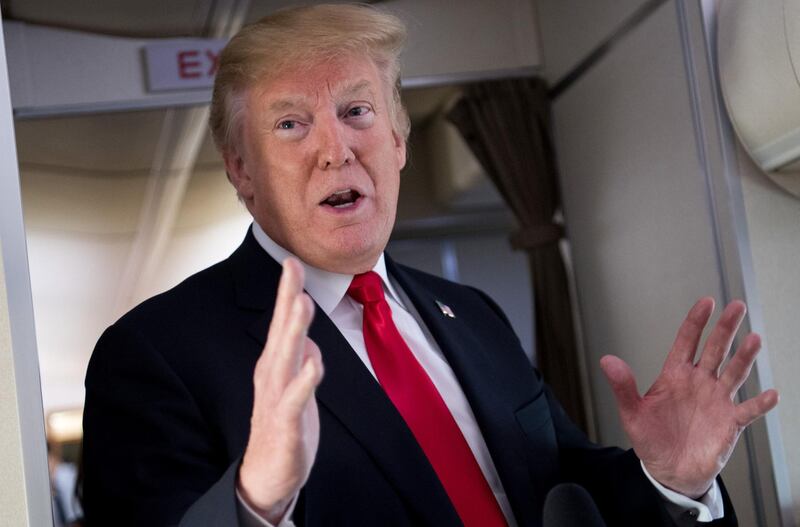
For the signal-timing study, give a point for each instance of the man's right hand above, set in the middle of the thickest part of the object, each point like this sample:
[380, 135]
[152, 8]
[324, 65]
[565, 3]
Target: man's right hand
[284, 427]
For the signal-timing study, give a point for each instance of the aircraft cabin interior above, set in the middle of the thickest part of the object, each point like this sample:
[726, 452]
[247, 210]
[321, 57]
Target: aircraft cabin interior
[647, 154]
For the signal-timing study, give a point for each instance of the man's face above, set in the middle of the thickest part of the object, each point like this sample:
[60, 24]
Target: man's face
[318, 163]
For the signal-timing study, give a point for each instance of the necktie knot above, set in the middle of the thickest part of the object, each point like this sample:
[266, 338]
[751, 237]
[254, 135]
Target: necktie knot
[366, 288]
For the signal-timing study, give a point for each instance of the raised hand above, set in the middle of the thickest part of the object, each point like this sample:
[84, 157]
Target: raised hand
[685, 427]
[284, 427]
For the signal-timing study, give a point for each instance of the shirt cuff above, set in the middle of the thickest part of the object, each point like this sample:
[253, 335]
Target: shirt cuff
[248, 517]
[707, 508]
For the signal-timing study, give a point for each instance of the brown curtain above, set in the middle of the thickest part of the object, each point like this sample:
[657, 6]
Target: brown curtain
[506, 124]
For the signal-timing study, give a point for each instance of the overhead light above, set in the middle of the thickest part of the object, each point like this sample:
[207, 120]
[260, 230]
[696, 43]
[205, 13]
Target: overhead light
[65, 426]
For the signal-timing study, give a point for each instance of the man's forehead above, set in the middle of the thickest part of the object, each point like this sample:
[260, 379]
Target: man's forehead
[280, 96]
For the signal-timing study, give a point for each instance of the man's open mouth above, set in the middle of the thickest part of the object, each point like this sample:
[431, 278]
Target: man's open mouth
[342, 198]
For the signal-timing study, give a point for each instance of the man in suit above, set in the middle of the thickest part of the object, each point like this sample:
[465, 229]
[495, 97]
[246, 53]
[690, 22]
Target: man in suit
[207, 405]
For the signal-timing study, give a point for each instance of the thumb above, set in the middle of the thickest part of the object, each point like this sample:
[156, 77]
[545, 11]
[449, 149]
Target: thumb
[622, 382]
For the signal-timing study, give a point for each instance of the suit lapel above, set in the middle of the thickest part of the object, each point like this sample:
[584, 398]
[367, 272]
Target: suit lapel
[353, 395]
[350, 393]
[485, 381]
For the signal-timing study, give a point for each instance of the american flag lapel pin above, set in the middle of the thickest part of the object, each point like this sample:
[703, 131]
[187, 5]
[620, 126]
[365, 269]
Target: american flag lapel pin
[445, 309]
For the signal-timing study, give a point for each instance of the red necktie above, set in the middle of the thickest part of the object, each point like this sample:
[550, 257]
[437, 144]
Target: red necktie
[422, 408]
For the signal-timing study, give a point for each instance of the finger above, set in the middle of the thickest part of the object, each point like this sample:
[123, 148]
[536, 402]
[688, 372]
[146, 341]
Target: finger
[287, 360]
[752, 409]
[738, 369]
[721, 338]
[685, 345]
[290, 285]
[302, 387]
[623, 384]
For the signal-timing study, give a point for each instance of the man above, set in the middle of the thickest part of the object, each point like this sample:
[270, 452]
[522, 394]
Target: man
[207, 405]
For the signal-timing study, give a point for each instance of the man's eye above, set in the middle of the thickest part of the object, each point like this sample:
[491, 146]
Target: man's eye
[287, 125]
[357, 111]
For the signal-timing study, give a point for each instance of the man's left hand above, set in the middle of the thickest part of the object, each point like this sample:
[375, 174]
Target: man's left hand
[685, 427]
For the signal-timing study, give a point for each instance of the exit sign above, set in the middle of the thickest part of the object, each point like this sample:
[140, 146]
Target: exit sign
[182, 64]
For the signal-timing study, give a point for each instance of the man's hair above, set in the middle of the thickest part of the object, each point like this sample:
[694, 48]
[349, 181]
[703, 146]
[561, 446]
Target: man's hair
[303, 37]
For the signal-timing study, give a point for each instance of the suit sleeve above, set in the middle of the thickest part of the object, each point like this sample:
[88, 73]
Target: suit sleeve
[148, 454]
[612, 476]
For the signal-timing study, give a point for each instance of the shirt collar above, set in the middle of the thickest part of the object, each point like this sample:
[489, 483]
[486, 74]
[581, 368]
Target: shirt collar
[326, 288]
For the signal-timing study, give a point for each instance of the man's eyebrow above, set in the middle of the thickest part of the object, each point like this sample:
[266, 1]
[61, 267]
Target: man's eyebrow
[356, 89]
[281, 105]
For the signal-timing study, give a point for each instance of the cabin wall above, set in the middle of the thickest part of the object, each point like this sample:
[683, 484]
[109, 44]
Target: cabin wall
[13, 500]
[24, 487]
[637, 192]
[80, 228]
[773, 222]
[475, 37]
[635, 203]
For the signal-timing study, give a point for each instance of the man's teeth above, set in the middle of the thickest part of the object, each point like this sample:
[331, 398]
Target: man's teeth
[342, 198]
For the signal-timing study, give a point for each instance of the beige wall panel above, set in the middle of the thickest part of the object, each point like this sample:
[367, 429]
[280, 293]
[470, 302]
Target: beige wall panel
[80, 225]
[468, 36]
[210, 225]
[637, 209]
[636, 204]
[13, 500]
[773, 221]
[74, 279]
[570, 29]
[77, 201]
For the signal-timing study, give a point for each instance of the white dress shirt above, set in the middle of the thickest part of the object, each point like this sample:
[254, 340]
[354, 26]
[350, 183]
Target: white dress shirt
[329, 291]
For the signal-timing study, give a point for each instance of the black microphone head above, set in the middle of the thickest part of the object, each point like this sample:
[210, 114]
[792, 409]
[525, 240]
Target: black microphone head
[569, 505]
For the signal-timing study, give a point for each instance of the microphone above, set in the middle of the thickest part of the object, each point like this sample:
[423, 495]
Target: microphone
[569, 505]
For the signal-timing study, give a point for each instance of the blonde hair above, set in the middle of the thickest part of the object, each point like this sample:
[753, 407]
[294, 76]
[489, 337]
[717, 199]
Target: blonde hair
[305, 35]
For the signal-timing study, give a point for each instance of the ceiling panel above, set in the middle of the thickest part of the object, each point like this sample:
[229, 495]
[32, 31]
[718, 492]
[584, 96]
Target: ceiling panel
[72, 203]
[138, 18]
[134, 18]
[262, 8]
[108, 143]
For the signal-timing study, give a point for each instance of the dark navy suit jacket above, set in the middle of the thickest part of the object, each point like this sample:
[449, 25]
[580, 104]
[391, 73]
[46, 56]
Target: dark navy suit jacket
[169, 395]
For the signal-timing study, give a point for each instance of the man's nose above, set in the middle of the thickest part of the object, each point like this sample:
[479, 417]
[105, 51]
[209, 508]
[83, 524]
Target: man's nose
[334, 149]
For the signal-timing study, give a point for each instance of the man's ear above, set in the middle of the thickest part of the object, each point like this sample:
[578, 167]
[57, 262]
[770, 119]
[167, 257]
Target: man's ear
[400, 149]
[238, 174]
